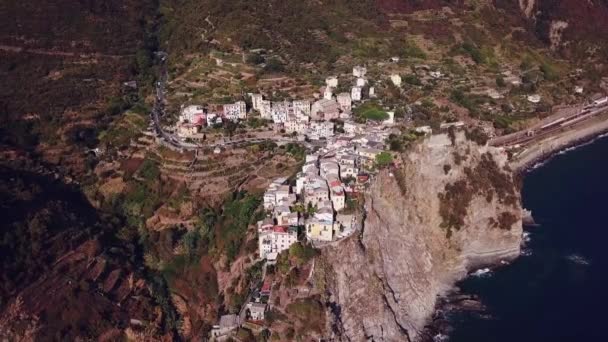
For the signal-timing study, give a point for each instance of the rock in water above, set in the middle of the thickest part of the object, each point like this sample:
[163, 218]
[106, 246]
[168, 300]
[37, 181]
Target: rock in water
[452, 207]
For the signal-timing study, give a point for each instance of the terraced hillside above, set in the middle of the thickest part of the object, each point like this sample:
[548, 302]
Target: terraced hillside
[63, 65]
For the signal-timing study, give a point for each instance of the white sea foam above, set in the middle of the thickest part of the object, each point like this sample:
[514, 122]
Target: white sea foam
[440, 338]
[578, 259]
[525, 237]
[526, 252]
[482, 272]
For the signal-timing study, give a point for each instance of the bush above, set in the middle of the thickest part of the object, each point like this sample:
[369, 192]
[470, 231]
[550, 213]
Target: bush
[274, 65]
[309, 311]
[384, 159]
[412, 79]
[254, 58]
[477, 135]
[302, 253]
[371, 111]
[500, 81]
[149, 170]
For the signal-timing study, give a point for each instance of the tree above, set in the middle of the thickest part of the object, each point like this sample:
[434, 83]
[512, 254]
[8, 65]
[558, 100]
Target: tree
[274, 65]
[384, 159]
[255, 58]
[500, 81]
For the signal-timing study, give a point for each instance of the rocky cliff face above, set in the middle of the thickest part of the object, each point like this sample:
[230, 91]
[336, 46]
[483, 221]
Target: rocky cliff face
[565, 25]
[415, 245]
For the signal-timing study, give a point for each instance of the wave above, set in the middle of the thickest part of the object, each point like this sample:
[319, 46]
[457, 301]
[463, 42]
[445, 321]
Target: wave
[526, 252]
[482, 272]
[440, 338]
[578, 259]
[525, 237]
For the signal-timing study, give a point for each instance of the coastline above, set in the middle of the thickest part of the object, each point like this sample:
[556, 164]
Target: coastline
[544, 150]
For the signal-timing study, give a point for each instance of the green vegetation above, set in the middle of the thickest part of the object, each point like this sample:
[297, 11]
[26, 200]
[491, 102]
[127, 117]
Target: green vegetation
[302, 253]
[500, 81]
[480, 55]
[270, 25]
[477, 135]
[149, 170]
[550, 72]
[308, 310]
[462, 99]
[486, 180]
[370, 111]
[412, 79]
[237, 215]
[296, 150]
[384, 159]
[407, 49]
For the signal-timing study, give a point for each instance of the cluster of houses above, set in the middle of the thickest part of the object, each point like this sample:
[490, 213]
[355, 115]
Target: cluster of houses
[192, 118]
[302, 117]
[317, 198]
[314, 119]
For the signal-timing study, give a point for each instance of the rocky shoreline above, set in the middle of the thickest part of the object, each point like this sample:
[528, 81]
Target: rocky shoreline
[546, 149]
[440, 326]
[390, 279]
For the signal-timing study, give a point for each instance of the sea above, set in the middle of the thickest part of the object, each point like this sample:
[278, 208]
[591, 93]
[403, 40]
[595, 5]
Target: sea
[558, 289]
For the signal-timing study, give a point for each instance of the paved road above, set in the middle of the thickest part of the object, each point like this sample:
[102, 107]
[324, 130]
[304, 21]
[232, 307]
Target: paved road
[159, 110]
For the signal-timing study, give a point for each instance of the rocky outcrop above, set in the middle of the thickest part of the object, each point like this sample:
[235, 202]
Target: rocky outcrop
[383, 285]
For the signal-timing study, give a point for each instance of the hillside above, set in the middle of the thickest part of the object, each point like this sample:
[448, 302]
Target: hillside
[138, 239]
[63, 65]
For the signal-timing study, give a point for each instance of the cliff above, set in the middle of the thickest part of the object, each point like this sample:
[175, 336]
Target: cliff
[450, 208]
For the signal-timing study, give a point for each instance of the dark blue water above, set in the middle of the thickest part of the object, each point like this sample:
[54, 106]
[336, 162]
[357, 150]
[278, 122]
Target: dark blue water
[560, 291]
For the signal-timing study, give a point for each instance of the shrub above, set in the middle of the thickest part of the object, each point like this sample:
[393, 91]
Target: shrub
[477, 135]
[310, 311]
[371, 111]
[384, 159]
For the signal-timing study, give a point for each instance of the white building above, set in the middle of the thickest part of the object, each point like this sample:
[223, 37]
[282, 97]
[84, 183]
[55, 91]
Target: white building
[276, 239]
[352, 128]
[396, 79]
[348, 166]
[345, 102]
[391, 119]
[359, 71]
[256, 100]
[331, 81]
[315, 190]
[325, 211]
[301, 106]
[257, 311]
[235, 111]
[436, 74]
[295, 126]
[321, 129]
[361, 82]
[227, 324]
[534, 98]
[186, 130]
[191, 113]
[279, 112]
[328, 93]
[372, 92]
[325, 110]
[265, 108]
[329, 167]
[355, 94]
[338, 199]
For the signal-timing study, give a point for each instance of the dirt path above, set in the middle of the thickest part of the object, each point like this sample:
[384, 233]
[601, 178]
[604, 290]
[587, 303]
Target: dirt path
[19, 49]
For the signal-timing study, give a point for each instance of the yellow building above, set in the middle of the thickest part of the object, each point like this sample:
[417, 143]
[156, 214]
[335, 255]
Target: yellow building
[320, 230]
